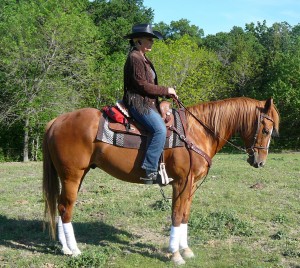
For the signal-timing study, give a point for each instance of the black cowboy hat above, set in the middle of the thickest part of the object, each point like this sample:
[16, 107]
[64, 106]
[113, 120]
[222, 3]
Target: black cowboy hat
[143, 30]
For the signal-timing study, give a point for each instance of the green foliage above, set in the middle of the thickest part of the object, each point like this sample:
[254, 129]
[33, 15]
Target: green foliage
[282, 79]
[174, 59]
[47, 61]
[111, 88]
[263, 62]
[196, 72]
[11, 142]
[241, 55]
[178, 29]
[109, 17]
[206, 81]
[57, 56]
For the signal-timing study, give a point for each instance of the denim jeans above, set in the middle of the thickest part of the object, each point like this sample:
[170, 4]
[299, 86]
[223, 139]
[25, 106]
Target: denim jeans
[157, 129]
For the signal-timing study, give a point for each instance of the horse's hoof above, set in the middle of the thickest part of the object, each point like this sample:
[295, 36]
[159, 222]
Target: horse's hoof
[66, 251]
[177, 259]
[187, 253]
[76, 252]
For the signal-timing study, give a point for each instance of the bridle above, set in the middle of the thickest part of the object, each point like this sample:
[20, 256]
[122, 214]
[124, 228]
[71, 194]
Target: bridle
[250, 151]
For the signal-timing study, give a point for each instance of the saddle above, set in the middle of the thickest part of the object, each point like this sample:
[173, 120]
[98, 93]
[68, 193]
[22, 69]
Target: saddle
[117, 127]
[120, 121]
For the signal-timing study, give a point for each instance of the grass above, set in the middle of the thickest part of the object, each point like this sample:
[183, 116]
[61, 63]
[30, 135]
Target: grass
[241, 217]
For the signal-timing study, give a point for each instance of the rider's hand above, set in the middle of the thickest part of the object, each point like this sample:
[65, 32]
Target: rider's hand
[172, 92]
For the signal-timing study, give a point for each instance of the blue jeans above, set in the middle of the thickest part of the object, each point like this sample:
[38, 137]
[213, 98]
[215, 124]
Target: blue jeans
[157, 129]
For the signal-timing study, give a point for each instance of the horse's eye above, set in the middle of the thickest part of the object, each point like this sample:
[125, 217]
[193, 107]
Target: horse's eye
[265, 131]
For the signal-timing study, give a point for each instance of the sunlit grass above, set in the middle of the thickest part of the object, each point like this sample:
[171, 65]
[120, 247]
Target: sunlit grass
[241, 217]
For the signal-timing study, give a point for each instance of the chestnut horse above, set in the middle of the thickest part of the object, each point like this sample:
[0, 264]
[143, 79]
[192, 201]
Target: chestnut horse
[70, 150]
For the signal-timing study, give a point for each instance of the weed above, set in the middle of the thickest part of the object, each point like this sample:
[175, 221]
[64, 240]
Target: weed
[220, 224]
[162, 205]
[89, 259]
[291, 249]
[280, 218]
[278, 236]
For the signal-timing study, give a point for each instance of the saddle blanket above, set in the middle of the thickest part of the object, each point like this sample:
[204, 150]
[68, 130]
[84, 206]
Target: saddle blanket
[105, 134]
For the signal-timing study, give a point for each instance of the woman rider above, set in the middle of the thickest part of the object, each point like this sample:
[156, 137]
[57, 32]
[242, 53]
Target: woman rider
[141, 92]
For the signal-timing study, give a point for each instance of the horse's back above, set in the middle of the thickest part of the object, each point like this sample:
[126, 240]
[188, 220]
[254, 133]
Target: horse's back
[81, 121]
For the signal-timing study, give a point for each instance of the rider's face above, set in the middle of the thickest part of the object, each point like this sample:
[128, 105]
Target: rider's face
[146, 44]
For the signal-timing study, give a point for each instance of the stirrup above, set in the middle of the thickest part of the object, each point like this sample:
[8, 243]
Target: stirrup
[160, 177]
[163, 178]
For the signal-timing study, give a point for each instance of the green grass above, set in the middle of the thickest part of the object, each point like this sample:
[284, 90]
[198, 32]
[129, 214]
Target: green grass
[241, 217]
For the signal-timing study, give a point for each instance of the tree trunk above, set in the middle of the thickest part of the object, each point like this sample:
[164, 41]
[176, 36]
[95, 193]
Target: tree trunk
[26, 141]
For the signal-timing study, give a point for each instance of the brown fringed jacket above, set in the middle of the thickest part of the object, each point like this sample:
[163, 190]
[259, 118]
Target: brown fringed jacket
[140, 83]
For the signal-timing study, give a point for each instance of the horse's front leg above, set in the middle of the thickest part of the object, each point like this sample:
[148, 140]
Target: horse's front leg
[187, 253]
[179, 229]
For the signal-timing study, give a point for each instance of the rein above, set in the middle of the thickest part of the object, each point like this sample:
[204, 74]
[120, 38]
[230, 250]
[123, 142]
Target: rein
[249, 150]
[179, 103]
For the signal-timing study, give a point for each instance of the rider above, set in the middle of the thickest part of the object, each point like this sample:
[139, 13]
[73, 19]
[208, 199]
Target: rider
[141, 92]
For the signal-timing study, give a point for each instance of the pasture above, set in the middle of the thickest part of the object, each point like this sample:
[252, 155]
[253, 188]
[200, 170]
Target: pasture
[241, 217]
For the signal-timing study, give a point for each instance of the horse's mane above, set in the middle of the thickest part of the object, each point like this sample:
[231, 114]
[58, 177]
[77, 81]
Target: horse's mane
[228, 116]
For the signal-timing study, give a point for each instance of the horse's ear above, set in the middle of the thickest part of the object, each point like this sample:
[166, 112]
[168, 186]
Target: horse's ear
[268, 104]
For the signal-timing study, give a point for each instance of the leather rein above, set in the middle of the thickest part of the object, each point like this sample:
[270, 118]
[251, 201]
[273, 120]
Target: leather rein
[250, 150]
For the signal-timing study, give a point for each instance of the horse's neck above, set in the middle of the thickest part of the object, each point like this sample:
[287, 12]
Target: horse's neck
[222, 122]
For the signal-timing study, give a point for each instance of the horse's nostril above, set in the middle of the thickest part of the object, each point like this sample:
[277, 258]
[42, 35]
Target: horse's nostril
[261, 164]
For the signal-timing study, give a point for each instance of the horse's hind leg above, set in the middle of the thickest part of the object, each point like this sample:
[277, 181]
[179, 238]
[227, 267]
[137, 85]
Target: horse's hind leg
[62, 238]
[66, 203]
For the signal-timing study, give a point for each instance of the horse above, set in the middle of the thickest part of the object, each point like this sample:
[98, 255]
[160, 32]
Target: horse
[70, 150]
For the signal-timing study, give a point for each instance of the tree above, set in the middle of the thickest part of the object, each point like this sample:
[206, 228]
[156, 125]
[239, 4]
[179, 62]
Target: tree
[111, 88]
[47, 60]
[180, 28]
[112, 25]
[283, 80]
[242, 56]
[194, 71]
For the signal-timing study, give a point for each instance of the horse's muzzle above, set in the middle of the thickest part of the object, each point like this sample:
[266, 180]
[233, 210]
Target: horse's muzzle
[255, 161]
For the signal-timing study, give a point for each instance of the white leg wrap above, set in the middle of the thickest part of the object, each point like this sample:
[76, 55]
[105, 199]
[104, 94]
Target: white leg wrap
[62, 238]
[174, 239]
[183, 236]
[70, 238]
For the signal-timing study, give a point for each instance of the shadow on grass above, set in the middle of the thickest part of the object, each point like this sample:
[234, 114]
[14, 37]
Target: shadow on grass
[28, 235]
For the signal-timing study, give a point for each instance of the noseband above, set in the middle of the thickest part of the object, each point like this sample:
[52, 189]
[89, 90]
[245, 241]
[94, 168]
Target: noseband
[250, 151]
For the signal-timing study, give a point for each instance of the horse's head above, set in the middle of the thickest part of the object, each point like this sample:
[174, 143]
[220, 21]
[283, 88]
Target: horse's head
[267, 126]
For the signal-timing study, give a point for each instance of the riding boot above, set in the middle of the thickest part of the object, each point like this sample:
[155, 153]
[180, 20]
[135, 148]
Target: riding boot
[151, 177]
